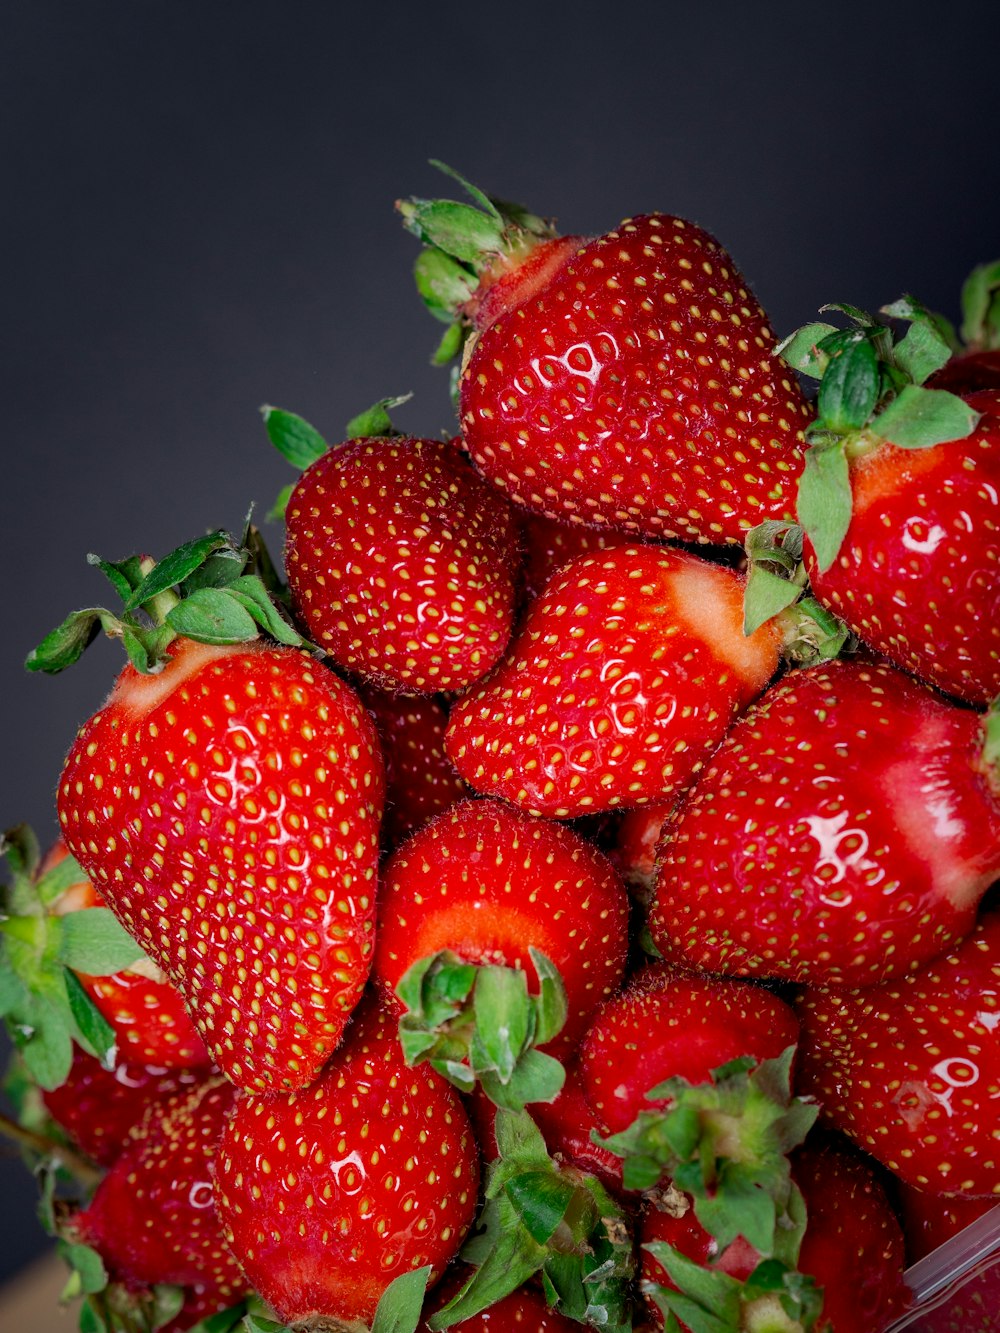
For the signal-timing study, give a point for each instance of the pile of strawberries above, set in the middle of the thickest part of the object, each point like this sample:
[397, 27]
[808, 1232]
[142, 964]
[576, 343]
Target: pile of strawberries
[567, 900]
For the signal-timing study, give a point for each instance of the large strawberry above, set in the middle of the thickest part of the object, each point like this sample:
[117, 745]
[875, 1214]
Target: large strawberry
[225, 801]
[844, 832]
[401, 559]
[489, 884]
[628, 381]
[330, 1193]
[900, 500]
[910, 1069]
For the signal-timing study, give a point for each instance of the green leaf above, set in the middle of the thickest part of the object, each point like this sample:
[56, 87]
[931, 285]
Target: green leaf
[504, 1017]
[254, 1323]
[551, 1006]
[458, 229]
[853, 312]
[536, 1077]
[123, 575]
[277, 510]
[375, 420]
[220, 570]
[54, 883]
[212, 615]
[765, 595]
[980, 322]
[444, 283]
[91, 1319]
[451, 344]
[224, 1321]
[400, 1305]
[88, 1263]
[920, 418]
[825, 500]
[47, 1051]
[473, 191]
[62, 646]
[800, 349]
[168, 1301]
[94, 1029]
[94, 941]
[174, 568]
[849, 389]
[922, 351]
[540, 1200]
[293, 436]
[250, 592]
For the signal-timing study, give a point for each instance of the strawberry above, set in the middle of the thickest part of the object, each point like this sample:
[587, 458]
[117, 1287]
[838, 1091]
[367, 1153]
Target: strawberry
[910, 1069]
[844, 832]
[549, 544]
[152, 1218]
[929, 1220]
[634, 851]
[401, 560]
[97, 1106]
[628, 381]
[523, 1311]
[627, 671]
[669, 1024]
[488, 884]
[900, 501]
[852, 1249]
[421, 780]
[329, 1193]
[932, 1220]
[225, 801]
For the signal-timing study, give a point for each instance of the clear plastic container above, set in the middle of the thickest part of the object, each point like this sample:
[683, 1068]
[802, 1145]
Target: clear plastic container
[956, 1288]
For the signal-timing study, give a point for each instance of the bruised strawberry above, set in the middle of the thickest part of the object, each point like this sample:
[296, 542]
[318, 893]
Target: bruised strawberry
[329, 1193]
[628, 670]
[669, 1024]
[628, 381]
[489, 884]
[910, 1069]
[844, 832]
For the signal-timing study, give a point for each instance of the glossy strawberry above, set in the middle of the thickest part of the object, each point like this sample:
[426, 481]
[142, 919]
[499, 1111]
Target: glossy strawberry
[421, 780]
[628, 670]
[401, 559]
[330, 1193]
[97, 1106]
[669, 1024]
[844, 832]
[929, 1220]
[152, 1218]
[628, 381]
[489, 883]
[911, 1069]
[227, 809]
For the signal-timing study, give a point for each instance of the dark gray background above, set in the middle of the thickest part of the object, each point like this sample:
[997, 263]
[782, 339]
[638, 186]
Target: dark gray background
[198, 218]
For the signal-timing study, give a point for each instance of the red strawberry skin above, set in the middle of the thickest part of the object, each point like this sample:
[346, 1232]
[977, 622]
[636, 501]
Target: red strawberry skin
[844, 832]
[227, 810]
[626, 673]
[637, 389]
[330, 1193]
[402, 563]
[917, 574]
[667, 1024]
[911, 1069]
[490, 883]
[152, 1217]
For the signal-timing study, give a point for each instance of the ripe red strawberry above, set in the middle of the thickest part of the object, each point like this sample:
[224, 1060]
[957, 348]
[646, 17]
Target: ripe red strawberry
[97, 1106]
[550, 544]
[628, 670]
[929, 1220]
[669, 1024]
[329, 1193]
[401, 559]
[489, 883]
[900, 502]
[146, 1012]
[844, 832]
[628, 381]
[634, 852]
[152, 1217]
[420, 779]
[852, 1248]
[910, 1069]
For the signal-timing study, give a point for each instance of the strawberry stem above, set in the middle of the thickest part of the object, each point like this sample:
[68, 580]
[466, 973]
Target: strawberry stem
[83, 1171]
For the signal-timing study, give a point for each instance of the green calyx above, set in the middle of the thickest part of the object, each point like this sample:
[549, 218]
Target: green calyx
[464, 243]
[871, 390]
[43, 1004]
[399, 1310]
[773, 1299]
[725, 1143]
[554, 1222]
[213, 589]
[776, 586]
[478, 1023]
[981, 308]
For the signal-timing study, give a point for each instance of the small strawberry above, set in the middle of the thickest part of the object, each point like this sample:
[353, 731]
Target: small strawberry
[152, 1218]
[628, 381]
[329, 1193]
[490, 884]
[401, 559]
[910, 1069]
[627, 671]
[844, 832]
[225, 801]
[420, 779]
[670, 1024]
[900, 500]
